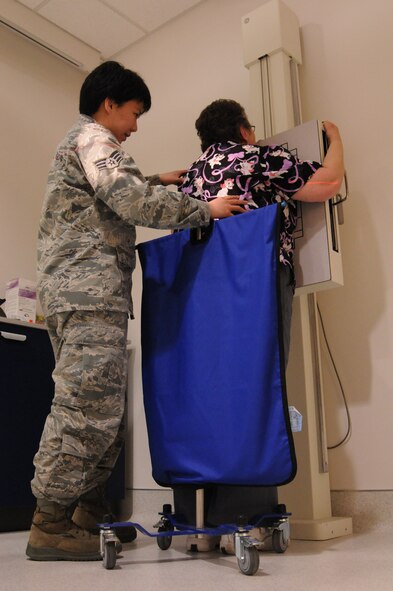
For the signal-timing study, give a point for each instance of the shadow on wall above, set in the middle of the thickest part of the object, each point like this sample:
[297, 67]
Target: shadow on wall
[351, 313]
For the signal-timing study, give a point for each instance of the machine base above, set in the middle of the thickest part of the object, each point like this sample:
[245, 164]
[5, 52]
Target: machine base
[320, 529]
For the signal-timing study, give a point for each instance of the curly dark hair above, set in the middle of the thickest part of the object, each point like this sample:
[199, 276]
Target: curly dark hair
[220, 122]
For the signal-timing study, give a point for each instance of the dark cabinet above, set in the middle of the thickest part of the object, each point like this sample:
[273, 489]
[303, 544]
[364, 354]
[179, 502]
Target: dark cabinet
[26, 392]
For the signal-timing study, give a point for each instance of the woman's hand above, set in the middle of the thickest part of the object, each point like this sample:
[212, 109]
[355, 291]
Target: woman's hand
[332, 131]
[326, 181]
[224, 207]
[176, 177]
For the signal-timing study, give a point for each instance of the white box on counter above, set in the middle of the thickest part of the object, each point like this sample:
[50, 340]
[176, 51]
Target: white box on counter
[21, 299]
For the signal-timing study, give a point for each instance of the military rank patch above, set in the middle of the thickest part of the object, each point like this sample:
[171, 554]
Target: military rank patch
[111, 161]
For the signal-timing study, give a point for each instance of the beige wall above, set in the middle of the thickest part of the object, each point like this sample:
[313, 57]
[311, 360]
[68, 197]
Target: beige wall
[38, 102]
[346, 77]
[347, 51]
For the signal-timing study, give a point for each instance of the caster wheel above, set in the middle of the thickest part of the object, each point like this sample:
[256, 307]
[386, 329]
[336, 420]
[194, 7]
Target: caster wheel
[279, 544]
[250, 562]
[164, 542]
[109, 558]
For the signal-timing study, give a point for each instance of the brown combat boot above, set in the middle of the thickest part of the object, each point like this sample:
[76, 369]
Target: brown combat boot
[93, 508]
[53, 536]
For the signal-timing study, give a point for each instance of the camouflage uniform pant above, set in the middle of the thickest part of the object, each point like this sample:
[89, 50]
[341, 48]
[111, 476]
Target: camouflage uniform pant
[84, 431]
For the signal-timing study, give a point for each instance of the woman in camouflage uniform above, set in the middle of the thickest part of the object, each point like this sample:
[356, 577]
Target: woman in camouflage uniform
[95, 197]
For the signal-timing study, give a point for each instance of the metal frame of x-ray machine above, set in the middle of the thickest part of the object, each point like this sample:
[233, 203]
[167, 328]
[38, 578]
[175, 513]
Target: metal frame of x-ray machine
[272, 54]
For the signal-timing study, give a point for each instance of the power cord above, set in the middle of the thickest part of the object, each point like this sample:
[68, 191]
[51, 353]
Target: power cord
[349, 422]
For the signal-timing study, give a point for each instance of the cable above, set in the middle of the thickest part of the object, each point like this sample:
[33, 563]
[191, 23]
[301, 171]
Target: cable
[349, 422]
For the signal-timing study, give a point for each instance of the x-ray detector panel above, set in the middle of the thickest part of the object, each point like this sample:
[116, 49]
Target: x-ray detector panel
[317, 256]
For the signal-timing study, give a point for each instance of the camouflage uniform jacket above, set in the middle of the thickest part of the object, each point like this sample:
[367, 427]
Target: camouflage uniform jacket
[95, 196]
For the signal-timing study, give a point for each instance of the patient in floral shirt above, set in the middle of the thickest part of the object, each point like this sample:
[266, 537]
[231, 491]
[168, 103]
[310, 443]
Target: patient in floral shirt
[233, 164]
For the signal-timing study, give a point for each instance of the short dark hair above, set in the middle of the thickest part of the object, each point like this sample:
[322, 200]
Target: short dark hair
[114, 81]
[220, 122]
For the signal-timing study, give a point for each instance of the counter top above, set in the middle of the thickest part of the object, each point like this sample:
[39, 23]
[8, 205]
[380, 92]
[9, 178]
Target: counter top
[14, 321]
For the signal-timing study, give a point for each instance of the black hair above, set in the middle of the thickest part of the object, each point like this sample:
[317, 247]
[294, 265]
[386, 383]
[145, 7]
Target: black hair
[220, 122]
[114, 81]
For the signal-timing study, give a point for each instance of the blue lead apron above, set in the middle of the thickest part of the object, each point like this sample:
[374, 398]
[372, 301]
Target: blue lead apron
[212, 360]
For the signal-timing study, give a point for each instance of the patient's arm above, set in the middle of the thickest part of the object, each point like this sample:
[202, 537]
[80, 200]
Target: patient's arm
[326, 181]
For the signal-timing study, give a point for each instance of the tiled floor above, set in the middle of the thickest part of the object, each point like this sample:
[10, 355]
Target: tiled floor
[362, 562]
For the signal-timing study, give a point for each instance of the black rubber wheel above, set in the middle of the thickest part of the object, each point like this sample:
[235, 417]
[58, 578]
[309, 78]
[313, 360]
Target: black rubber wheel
[279, 545]
[164, 542]
[109, 558]
[250, 563]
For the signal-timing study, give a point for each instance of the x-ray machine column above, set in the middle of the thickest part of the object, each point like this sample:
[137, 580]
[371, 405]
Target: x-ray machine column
[272, 53]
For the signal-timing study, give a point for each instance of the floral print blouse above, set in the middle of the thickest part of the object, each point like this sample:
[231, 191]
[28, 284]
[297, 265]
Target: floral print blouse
[260, 175]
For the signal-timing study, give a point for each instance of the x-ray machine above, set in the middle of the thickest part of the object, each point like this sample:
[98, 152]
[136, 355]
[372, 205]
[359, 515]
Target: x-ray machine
[272, 54]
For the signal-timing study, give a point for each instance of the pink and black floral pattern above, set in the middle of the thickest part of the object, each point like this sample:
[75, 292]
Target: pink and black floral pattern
[260, 175]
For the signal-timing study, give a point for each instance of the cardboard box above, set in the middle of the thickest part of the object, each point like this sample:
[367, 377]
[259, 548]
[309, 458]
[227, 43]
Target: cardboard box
[21, 299]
